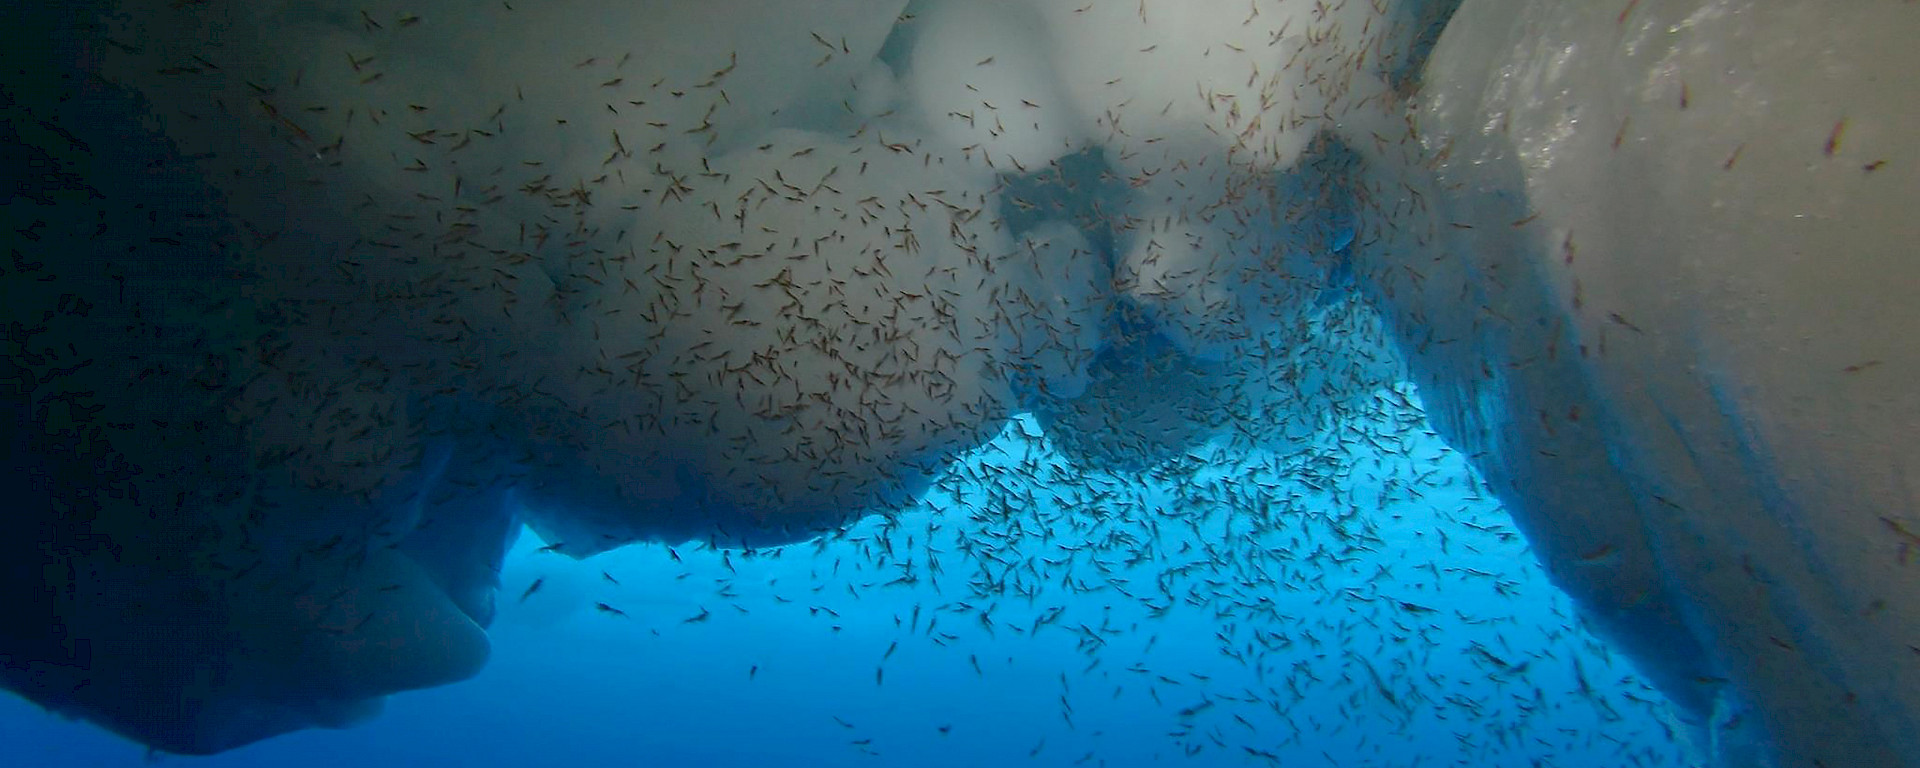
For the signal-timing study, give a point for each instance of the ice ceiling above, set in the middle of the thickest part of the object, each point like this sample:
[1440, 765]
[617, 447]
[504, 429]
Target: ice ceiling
[742, 271]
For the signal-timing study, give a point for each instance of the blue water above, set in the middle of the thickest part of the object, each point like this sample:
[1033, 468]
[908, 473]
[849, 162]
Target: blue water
[1245, 607]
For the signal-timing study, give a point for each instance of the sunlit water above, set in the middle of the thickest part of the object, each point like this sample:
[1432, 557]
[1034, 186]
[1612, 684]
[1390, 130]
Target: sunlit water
[1245, 608]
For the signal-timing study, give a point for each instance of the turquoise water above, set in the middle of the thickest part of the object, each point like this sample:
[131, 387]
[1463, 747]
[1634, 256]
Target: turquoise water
[1218, 612]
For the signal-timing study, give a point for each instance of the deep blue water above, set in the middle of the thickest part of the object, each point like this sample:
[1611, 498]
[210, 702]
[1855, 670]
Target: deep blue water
[1224, 612]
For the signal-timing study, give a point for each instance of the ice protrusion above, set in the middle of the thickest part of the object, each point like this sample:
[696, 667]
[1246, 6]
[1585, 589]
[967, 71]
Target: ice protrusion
[982, 80]
[1684, 228]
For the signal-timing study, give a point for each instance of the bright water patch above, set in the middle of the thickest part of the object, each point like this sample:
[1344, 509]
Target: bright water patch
[1237, 608]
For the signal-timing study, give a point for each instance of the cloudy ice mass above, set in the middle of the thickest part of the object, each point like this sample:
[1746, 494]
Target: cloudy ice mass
[312, 306]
